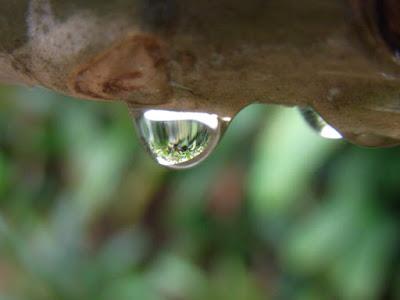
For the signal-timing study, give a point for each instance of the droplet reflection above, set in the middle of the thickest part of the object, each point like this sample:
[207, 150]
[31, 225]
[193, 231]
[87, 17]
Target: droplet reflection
[317, 123]
[176, 139]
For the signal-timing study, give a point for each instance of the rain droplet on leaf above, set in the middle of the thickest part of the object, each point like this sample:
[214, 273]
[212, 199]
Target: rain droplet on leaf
[178, 140]
[318, 124]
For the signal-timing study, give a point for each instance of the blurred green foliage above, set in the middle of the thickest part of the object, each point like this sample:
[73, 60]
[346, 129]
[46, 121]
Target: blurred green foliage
[275, 213]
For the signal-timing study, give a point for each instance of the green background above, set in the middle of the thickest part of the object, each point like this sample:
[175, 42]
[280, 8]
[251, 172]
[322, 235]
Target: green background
[276, 212]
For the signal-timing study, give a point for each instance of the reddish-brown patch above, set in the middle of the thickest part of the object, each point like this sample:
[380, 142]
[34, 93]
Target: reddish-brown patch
[122, 83]
[130, 69]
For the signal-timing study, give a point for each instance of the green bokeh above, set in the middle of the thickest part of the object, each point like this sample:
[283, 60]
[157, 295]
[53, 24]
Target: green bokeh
[275, 212]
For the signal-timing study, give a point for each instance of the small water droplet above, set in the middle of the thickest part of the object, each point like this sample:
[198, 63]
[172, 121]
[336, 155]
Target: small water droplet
[317, 123]
[179, 140]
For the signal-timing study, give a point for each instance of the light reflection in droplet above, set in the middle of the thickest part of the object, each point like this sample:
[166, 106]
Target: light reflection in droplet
[177, 139]
[211, 120]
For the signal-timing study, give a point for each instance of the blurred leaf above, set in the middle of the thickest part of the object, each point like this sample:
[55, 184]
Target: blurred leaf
[231, 280]
[176, 278]
[129, 288]
[361, 273]
[4, 175]
[286, 159]
[121, 252]
[97, 160]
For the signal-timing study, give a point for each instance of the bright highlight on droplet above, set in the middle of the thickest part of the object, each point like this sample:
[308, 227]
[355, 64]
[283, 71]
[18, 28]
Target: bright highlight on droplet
[227, 119]
[211, 120]
[317, 123]
[329, 132]
[176, 139]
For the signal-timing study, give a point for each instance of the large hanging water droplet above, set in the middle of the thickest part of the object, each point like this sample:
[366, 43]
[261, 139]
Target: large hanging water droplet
[176, 139]
[317, 123]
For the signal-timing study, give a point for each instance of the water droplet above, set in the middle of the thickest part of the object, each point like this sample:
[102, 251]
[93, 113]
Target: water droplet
[179, 140]
[317, 123]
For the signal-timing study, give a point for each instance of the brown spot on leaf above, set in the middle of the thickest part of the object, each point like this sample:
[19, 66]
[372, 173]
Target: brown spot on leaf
[135, 69]
[124, 82]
